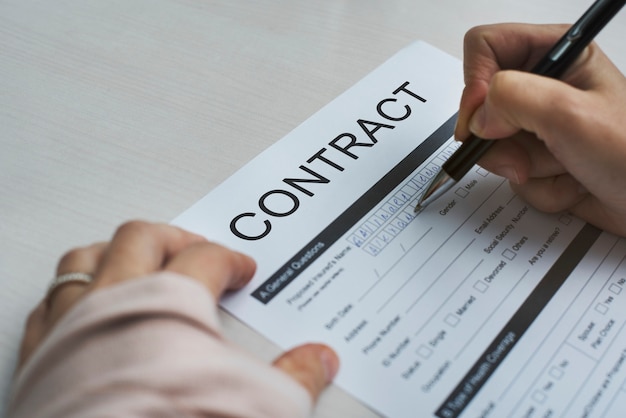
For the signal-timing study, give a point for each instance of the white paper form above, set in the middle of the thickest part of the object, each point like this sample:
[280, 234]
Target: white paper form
[478, 306]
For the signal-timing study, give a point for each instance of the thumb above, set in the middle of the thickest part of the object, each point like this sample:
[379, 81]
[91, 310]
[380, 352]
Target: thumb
[312, 365]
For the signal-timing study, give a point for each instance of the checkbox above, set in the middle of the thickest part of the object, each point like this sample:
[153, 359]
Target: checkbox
[565, 219]
[615, 289]
[556, 372]
[601, 308]
[391, 230]
[407, 215]
[509, 254]
[482, 172]
[409, 189]
[461, 192]
[356, 240]
[539, 397]
[380, 241]
[452, 320]
[481, 286]
[424, 351]
[371, 250]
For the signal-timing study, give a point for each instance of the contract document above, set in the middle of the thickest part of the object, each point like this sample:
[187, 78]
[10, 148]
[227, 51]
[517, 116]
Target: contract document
[479, 306]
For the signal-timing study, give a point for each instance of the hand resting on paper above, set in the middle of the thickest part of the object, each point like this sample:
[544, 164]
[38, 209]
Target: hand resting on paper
[564, 141]
[142, 337]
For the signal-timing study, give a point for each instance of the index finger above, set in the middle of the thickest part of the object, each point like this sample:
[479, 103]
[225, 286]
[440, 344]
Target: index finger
[509, 46]
[217, 267]
[139, 248]
[491, 48]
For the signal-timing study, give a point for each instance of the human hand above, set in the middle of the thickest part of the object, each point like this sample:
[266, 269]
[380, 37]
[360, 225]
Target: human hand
[565, 140]
[138, 249]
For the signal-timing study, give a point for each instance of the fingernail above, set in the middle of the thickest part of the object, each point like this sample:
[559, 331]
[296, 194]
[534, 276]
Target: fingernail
[330, 363]
[477, 122]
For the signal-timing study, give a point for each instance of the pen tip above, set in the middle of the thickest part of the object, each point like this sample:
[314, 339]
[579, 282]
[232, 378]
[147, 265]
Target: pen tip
[418, 208]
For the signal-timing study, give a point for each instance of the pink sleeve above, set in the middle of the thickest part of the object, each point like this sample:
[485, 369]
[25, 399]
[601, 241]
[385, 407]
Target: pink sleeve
[150, 347]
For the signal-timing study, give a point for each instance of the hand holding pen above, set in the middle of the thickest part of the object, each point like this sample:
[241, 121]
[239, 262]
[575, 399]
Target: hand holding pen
[564, 138]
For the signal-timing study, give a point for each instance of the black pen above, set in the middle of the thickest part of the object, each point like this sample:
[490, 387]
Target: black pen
[553, 64]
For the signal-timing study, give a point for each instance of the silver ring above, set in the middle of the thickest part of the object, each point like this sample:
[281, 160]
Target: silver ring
[69, 277]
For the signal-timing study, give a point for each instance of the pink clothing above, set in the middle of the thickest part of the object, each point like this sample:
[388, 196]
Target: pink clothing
[150, 347]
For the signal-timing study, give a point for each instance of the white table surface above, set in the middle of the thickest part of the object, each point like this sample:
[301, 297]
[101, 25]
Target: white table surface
[124, 109]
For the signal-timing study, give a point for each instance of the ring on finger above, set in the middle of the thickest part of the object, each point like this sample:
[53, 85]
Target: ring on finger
[74, 277]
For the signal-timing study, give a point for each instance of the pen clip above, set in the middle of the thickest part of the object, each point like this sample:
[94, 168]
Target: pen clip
[575, 32]
[577, 29]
